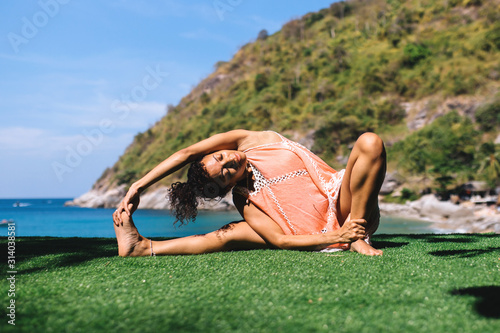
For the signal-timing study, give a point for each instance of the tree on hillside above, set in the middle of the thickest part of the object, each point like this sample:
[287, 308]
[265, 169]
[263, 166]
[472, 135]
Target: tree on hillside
[488, 115]
[489, 165]
[444, 148]
[263, 34]
[490, 168]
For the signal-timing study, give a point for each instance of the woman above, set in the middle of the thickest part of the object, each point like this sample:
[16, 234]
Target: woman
[287, 196]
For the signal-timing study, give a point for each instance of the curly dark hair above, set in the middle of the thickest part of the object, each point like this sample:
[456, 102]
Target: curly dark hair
[185, 197]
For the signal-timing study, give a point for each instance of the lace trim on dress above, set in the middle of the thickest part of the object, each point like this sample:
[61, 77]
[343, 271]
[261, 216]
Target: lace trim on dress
[333, 190]
[261, 182]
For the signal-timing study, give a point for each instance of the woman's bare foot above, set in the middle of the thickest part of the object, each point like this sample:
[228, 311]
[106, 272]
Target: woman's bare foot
[362, 247]
[130, 242]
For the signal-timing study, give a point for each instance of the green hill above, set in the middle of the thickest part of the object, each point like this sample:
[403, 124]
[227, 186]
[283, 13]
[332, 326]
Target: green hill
[387, 66]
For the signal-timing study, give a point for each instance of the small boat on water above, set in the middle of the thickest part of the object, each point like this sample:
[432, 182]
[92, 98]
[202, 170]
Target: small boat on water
[21, 204]
[6, 222]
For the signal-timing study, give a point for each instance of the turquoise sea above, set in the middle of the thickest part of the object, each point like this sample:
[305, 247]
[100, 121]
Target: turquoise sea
[49, 217]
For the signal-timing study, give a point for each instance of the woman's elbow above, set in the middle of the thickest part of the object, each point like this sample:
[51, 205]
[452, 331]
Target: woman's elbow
[284, 242]
[281, 242]
[186, 154]
[287, 242]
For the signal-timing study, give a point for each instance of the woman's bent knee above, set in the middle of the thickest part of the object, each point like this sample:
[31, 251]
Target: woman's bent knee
[371, 144]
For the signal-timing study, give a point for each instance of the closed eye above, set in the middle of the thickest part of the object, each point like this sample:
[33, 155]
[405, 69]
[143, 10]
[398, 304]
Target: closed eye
[222, 176]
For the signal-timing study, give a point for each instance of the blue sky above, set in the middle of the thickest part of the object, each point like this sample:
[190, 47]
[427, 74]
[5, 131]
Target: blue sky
[78, 79]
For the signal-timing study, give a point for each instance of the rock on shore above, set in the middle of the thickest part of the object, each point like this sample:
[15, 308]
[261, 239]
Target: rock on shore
[100, 198]
[152, 199]
[445, 215]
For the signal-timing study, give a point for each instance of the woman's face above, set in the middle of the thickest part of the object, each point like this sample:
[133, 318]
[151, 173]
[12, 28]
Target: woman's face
[226, 167]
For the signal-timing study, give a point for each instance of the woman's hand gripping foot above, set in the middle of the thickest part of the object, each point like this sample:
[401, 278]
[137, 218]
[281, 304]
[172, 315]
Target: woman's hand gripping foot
[354, 232]
[130, 242]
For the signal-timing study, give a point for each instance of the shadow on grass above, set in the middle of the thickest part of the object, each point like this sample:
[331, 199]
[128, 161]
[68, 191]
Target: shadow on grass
[400, 240]
[452, 238]
[386, 244]
[52, 252]
[487, 299]
[463, 253]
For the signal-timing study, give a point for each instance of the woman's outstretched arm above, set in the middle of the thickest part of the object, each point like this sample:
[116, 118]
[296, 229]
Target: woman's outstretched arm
[228, 140]
[270, 231]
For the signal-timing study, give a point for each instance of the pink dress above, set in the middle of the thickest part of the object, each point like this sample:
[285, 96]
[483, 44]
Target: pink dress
[297, 189]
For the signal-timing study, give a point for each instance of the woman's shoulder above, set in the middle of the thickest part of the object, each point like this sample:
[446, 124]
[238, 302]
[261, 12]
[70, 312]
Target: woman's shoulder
[258, 138]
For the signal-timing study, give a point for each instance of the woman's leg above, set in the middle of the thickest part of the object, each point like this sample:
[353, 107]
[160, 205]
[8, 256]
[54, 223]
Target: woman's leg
[364, 175]
[234, 236]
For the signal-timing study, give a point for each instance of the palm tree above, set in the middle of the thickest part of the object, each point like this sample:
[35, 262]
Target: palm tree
[489, 168]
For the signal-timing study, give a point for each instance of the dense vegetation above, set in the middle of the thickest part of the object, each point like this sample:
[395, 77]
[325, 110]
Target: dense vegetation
[354, 67]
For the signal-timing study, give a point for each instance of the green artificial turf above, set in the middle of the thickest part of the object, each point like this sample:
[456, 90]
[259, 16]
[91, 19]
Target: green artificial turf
[422, 283]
